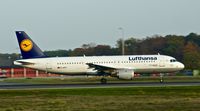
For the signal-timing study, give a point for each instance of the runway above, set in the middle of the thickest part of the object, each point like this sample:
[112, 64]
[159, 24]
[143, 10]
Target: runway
[94, 85]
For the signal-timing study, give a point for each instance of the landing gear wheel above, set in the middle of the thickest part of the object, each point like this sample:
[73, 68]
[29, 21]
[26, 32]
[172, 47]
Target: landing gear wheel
[161, 78]
[103, 80]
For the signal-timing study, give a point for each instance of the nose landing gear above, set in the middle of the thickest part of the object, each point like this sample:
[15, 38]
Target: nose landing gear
[103, 80]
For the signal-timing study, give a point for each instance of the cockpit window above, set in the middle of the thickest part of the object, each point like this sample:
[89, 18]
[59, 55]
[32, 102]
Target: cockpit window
[173, 60]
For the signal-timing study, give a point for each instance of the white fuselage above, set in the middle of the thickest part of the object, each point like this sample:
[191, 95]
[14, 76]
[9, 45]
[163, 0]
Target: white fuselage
[78, 65]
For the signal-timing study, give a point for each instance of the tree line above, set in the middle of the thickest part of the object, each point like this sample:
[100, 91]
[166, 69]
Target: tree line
[185, 49]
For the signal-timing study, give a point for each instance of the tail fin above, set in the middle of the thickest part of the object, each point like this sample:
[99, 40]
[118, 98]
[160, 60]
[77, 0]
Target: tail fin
[28, 48]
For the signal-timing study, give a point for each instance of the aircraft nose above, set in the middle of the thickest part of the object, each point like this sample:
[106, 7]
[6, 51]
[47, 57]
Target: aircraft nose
[181, 66]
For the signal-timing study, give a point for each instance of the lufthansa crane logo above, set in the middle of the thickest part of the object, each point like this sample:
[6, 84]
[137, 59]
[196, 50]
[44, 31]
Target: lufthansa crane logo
[26, 45]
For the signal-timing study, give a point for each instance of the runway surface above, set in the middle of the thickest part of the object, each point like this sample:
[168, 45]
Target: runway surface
[95, 85]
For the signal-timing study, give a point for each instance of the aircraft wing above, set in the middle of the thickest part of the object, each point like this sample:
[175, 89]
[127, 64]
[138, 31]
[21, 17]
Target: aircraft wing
[100, 67]
[106, 69]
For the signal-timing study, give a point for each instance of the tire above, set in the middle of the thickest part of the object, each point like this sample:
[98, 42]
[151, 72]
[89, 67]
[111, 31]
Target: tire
[161, 81]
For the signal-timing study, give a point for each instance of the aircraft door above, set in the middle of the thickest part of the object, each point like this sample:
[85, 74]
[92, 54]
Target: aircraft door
[48, 66]
[161, 62]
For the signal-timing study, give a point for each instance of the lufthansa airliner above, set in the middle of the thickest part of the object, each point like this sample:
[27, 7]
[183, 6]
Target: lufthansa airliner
[122, 67]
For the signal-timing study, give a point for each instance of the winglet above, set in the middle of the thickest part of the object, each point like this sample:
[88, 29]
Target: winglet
[28, 48]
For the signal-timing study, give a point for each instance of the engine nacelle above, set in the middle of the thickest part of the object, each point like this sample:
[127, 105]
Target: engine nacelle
[127, 74]
[91, 72]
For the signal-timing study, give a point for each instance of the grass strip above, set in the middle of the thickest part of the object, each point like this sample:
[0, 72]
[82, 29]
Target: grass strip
[181, 98]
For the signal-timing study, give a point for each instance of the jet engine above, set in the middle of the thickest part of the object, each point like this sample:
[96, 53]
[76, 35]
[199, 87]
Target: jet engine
[127, 74]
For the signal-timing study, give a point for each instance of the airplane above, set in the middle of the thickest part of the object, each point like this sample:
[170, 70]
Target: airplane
[122, 66]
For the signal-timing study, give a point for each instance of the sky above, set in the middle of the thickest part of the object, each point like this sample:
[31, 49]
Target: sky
[67, 24]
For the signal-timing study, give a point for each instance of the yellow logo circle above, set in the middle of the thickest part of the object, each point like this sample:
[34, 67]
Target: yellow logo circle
[26, 45]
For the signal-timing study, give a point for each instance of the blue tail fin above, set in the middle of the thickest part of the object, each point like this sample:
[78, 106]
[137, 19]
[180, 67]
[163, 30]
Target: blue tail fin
[28, 48]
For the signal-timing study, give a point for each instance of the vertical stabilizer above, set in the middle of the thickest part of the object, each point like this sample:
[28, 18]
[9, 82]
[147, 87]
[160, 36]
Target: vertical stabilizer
[28, 48]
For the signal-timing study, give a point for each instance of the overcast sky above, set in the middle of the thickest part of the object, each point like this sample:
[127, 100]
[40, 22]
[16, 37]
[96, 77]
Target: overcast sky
[67, 24]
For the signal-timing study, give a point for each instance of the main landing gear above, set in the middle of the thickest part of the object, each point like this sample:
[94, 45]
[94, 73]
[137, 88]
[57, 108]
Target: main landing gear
[161, 77]
[103, 80]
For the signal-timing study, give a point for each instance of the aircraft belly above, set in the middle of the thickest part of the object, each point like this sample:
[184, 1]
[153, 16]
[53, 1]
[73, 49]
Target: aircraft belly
[71, 70]
[156, 70]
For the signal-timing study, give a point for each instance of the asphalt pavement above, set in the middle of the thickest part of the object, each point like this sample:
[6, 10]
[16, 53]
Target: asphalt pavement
[94, 85]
